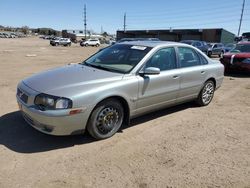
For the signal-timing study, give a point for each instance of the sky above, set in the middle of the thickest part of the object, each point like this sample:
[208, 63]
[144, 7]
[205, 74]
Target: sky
[140, 14]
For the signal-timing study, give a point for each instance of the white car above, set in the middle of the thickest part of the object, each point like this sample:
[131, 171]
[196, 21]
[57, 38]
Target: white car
[90, 42]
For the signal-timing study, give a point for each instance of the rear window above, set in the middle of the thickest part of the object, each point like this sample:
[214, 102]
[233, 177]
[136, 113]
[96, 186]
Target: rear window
[188, 57]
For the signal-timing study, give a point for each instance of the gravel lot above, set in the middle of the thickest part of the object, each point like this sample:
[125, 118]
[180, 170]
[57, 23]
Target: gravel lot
[184, 146]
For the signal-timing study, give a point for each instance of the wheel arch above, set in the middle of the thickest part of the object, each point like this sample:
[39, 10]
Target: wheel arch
[213, 80]
[124, 103]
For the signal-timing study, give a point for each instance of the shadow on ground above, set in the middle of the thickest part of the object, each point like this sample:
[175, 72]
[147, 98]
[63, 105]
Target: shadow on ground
[237, 74]
[18, 136]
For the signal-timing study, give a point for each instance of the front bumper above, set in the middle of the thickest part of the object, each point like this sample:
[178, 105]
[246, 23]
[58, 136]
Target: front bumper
[53, 122]
[236, 66]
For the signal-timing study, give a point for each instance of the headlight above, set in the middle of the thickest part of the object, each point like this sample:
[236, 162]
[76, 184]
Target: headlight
[247, 60]
[49, 102]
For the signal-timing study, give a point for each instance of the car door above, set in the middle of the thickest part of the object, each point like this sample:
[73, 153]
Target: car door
[216, 49]
[156, 91]
[192, 73]
[61, 41]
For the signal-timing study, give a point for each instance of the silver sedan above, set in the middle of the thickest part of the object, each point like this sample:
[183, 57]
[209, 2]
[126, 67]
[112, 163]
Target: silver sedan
[116, 84]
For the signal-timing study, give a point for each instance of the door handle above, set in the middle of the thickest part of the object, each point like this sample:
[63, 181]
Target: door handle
[175, 77]
[202, 72]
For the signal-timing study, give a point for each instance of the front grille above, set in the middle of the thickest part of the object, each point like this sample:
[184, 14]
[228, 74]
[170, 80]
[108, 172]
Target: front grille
[22, 96]
[29, 120]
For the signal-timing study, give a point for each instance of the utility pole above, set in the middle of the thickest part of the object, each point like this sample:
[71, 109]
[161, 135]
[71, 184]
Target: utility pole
[124, 22]
[242, 11]
[85, 22]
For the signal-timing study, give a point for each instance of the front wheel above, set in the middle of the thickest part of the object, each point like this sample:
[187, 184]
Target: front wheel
[206, 94]
[106, 119]
[221, 54]
[209, 54]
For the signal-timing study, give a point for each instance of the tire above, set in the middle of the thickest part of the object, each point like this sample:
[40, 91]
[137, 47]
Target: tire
[209, 54]
[106, 119]
[56, 44]
[221, 54]
[206, 94]
[86, 44]
[97, 45]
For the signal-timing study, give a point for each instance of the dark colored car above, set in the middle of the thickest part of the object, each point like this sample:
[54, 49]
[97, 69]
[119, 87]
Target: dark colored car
[237, 59]
[229, 47]
[202, 45]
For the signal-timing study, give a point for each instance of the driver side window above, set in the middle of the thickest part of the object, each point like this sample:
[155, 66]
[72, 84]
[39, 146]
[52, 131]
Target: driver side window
[164, 59]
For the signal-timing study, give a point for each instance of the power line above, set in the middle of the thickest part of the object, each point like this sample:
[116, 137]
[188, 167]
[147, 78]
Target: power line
[184, 10]
[242, 11]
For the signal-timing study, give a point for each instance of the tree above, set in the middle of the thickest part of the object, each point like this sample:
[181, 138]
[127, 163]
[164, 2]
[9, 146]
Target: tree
[25, 30]
[105, 34]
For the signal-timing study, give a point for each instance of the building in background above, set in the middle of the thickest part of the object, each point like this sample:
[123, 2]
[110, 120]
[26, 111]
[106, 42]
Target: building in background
[209, 35]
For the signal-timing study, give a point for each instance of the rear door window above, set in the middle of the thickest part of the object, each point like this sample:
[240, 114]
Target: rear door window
[188, 57]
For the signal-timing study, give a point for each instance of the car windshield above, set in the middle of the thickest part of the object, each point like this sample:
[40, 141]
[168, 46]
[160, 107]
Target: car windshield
[241, 48]
[120, 58]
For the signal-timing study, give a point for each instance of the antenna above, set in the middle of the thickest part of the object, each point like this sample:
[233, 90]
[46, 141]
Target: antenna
[85, 21]
[242, 11]
[124, 22]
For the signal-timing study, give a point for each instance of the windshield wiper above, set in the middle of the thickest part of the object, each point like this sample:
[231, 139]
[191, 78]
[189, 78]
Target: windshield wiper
[98, 67]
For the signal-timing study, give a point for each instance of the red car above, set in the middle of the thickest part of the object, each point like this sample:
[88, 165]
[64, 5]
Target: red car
[237, 59]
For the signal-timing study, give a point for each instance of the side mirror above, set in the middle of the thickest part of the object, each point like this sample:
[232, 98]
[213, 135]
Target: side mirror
[150, 71]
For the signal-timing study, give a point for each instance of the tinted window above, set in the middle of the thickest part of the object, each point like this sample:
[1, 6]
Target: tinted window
[203, 60]
[197, 44]
[188, 57]
[164, 59]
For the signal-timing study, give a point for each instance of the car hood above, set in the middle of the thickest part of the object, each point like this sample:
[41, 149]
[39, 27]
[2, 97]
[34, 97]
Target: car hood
[66, 79]
[238, 55]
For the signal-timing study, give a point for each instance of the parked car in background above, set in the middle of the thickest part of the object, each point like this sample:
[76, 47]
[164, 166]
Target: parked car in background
[238, 59]
[4, 35]
[216, 49]
[229, 47]
[90, 42]
[202, 45]
[56, 41]
[116, 84]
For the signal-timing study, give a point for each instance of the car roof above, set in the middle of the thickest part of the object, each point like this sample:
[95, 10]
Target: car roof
[149, 43]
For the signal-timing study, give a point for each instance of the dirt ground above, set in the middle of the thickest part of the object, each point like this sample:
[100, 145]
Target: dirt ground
[184, 146]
